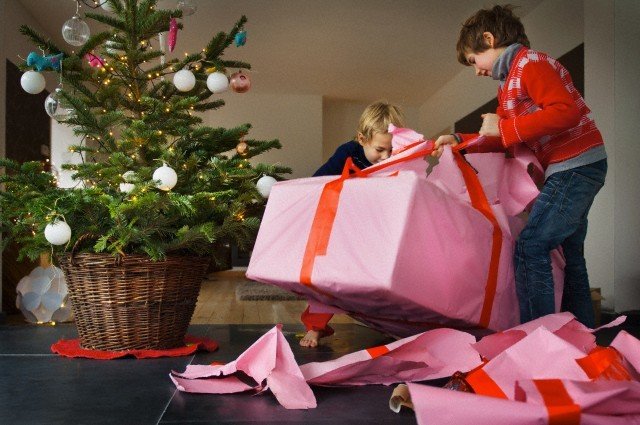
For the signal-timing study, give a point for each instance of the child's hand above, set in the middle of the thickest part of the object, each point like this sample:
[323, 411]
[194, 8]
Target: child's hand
[490, 125]
[445, 139]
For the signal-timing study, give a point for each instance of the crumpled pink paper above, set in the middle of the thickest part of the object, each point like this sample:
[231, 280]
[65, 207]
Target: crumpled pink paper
[429, 355]
[596, 403]
[629, 347]
[539, 355]
[563, 325]
[269, 361]
[403, 137]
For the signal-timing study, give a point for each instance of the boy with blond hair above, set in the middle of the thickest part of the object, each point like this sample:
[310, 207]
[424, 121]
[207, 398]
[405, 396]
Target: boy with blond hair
[372, 144]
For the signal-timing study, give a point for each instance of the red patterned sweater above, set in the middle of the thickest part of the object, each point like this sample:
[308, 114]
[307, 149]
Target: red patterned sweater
[539, 106]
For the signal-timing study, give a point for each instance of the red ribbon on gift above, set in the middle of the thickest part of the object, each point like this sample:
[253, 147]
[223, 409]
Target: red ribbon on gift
[327, 209]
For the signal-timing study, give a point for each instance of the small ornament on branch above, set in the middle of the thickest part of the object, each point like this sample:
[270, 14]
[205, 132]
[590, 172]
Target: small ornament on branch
[166, 176]
[217, 82]
[57, 106]
[264, 185]
[94, 61]
[42, 63]
[57, 233]
[240, 39]
[242, 148]
[184, 80]
[32, 82]
[173, 34]
[240, 82]
[76, 31]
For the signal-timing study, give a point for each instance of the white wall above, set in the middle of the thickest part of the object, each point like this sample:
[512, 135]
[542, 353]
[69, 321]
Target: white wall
[599, 95]
[627, 154]
[296, 120]
[61, 138]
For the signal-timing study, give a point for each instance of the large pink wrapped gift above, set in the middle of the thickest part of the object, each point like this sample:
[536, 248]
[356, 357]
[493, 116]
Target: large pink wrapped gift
[399, 249]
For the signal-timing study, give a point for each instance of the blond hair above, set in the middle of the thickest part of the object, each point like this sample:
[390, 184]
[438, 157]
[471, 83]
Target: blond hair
[377, 117]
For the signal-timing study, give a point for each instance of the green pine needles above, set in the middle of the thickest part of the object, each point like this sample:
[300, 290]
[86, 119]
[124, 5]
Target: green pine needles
[132, 119]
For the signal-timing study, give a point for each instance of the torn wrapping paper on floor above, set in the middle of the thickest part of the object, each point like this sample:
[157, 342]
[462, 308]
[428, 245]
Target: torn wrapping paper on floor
[563, 325]
[552, 402]
[535, 375]
[441, 254]
[269, 362]
[433, 354]
[430, 355]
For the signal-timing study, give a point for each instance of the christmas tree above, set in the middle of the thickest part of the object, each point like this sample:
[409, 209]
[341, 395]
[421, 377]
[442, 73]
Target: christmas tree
[137, 117]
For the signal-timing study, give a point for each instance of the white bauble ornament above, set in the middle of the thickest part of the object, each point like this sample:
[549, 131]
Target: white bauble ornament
[32, 82]
[166, 176]
[75, 31]
[184, 80]
[57, 107]
[57, 233]
[264, 185]
[217, 82]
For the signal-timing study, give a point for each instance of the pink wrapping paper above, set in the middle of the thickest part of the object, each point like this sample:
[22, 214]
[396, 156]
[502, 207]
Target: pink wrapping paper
[539, 375]
[596, 403]
[403, 138]
[406, 251]
[563, 325]
[539, 355]
[269, 361]
[430, 355]
[629, 347]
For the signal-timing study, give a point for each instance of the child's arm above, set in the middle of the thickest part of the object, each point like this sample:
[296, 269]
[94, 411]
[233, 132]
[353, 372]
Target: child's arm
[490, 144]
[557, 111]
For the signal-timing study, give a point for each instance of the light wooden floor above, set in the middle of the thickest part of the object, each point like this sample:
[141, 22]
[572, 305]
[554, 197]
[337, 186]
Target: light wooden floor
[217, 304]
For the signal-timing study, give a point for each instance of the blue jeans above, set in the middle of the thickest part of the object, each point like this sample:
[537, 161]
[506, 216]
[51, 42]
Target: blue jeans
[558, 218]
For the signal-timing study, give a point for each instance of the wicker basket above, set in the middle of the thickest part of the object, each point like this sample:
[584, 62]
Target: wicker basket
[132, 303]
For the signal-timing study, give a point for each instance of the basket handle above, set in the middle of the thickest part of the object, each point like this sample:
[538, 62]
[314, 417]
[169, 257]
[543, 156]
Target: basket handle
[81, 239]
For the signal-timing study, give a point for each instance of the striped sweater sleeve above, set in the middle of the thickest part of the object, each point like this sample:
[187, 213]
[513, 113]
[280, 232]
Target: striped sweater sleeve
[554, 109]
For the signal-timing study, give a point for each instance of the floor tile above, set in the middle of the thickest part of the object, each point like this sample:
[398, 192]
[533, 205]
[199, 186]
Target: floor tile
[56, 390]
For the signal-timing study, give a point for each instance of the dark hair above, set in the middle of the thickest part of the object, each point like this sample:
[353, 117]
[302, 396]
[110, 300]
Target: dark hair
[499, 21]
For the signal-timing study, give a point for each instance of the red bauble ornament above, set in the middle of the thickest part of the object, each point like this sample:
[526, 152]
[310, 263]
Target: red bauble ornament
[239, 82]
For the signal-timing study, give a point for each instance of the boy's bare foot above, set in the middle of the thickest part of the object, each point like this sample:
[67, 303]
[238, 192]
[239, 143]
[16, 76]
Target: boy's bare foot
[310, 339]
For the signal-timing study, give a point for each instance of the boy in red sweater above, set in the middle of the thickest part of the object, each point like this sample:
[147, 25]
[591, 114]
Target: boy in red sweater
[539, 106]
